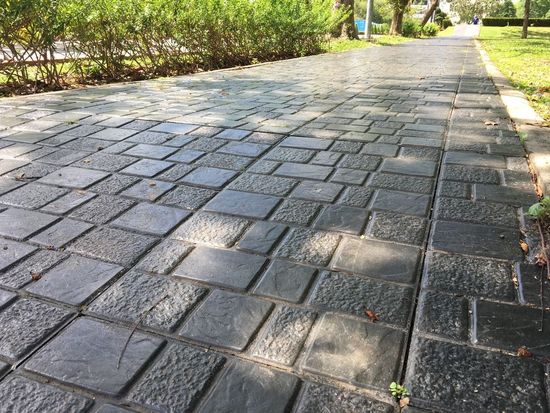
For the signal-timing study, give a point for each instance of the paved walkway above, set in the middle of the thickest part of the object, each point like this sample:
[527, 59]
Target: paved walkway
[225, 242]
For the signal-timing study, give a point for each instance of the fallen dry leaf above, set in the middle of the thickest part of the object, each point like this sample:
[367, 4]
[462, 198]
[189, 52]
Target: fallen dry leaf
[152, 184]
[404, 402]
[35, 275]
[524, 246]
[20, 177]
[372, 316]
[524, 352]
[541, 259]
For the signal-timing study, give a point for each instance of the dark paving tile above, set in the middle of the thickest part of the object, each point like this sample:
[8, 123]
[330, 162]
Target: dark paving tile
[209, 177]
[477, 212]
[25, 324]
[246, 387]
[306, 143]
[226, 319]
[147, 167]
[297, 170]
[20, 394]
[105, 162]
[317, 191]
[512, 196]
[32, 196]
[242, 203]
[477, 376]
[88, 354]
[187, 197]
[12, 252]
[470, 174]
[61, 233]
[402, 202]
[263, 184]
[21, 274]
[150, 151]
[309, 246]
[68, 202]
[391, 226]
[475, 159]
[285, 281]
[178, 380]
[74, 280]
[443, 315]
[102, 209]
[244, 149]
[360, 161]
[148, 190]
[164, 257]
[402, 183]
[21, 224]
[221, 267]
[529, 278]
[296, 212]
[281, 154]
[261, 237]
[151, 219]
[114, 184]
[186, 155]
[376, 350]
[72, 177]
[148, 300]
[342, 219]
[349, 176]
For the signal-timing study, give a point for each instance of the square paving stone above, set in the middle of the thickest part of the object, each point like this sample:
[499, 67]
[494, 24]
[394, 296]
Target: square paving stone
[212, 229]
[409, 167]
[478, 376]
[32, 196]
[164, 257]
[25, 324]
[285, 281]
[226, 319]
[113, 184]
[242, 203]
[68, 202]
[245, 387]
[296, 212]
[262, 237]
[148, 190]
[221, 267]
[263, 184]
[150, 151]
[356, 196]
[361, 353]
[349, 176]
[186, 155]
[175, 173]
[342, 218]
[355, 295]
[147, 167]
[21, 274]
[105, 162]
[509, 327]
[179, 128]
[12, 251]
[187, 197]
[210, 177]
[148, 300]
[113, 245]
[443, 315]
[360, 161]
[326, 158]
[61, 233]
[317, 191]
[308, 246]
[102, 209]
[244, 149]
[233, 134]
[151, 219]
[399, 228]
[317, 398]
[19, 394]
[284, 335]
[473, 239]
[176, 382]
[384, 260]
[20, 223]
[298, 170]
[403, 202]
[88, 354]
[72, 177]
[74, 280]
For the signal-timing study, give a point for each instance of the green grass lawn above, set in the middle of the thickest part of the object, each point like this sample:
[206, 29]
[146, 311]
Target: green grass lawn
[525, 62]
[343, 45]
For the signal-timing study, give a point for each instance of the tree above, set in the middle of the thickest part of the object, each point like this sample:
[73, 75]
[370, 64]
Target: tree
[525, 19]
[505, 9]
[430, 11]
[537, 9]
[467, 9]
[347, 27]
[398, 7]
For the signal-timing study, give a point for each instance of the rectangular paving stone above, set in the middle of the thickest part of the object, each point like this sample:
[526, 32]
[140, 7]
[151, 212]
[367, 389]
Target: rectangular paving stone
[233, 134]
[376, 350]
[244, 149]
[20, 223]
[395, 227]
[481, 240]
[151, 219]
[112, 245]
[88, 354]
[68, 202]
[355, 295]
[285, 281]
[61, 233]
[317, 191]
[210, 177]
[387, 261]
[32, 196]
[12, 251]
[7, 165]
[309, 246]
[221, 267]
[72, 177]
[63, 157]
[242, 203]
[186, 155]
[510, 327]
[478, 376]
[349, 176]
[402, 202]
[409, 167]
[20, 394]
[289, 155]
[507, 195]
[342, 218]
[149, 190]
[360, 161]
[226, 319]
[475, 159]
[284, 335]
[153, 301]
[25, 324]
[296, 212]
[21, 274]
[247, 387]
[164, 257]
[402, 183]
[529, 277]
[179, 128]
[261, 237]
[187, 197]
[114, 184]
[102, 209]
[150, 151]
[306, 143]
[113, 134]
[263, 184]
[211, 229]
[177, 381]
[297, 170]
[470, 174]
[147, 167]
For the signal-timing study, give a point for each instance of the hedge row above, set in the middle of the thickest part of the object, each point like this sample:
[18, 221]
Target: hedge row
[512, 21]
[119, 39]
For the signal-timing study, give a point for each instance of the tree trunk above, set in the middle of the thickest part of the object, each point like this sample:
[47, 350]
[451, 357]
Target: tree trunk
[526, 19]
[397, 22]
[347, 27]
[429, 12]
